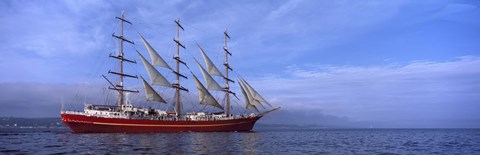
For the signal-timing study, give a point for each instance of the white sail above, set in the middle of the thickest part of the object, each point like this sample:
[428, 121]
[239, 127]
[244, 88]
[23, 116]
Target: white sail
[250, 98]
[210, 82]
[212, 69]
[254, 93]
[248, 105]
[155, 77]
[151, 94]
[204, 96]
[157, 60]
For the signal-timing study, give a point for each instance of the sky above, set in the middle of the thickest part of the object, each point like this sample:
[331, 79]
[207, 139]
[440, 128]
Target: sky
[334, 63]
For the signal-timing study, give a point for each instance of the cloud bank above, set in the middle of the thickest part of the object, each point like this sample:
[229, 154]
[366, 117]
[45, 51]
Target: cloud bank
[417, 94]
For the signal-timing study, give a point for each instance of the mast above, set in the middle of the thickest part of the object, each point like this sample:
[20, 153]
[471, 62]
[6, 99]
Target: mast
[177, 70]
[120, 54]
[227, 67]
[120, 87]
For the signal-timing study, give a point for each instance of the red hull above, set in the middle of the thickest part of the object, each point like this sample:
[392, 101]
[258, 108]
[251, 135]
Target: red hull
[91, 124]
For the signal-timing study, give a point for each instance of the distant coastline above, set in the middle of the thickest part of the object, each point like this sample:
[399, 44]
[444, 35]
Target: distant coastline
[56, 122]
[17, 122]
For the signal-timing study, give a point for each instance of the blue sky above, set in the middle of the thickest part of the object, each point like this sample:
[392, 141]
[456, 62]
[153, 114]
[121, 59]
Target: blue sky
[335, 63]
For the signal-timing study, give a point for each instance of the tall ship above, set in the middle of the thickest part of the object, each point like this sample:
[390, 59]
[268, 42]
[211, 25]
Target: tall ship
[122, 115]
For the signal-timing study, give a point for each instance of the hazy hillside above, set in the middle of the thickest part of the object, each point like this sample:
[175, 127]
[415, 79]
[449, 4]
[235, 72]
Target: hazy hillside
[30, 122]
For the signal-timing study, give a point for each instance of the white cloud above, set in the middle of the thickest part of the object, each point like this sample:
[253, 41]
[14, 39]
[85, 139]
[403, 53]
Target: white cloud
[297, 28]
[283, 9]
[45, 41]
[456, 8]
[49, 30]
[394, 94]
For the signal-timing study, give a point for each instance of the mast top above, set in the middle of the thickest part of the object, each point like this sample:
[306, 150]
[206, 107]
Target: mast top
[122, 18]
[226, 33]
[178, 23]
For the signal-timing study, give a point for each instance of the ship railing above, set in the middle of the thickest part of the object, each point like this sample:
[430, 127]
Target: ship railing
[73, 112]
[163, 118]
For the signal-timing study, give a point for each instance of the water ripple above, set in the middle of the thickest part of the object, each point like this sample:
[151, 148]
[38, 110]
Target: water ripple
[267, 141]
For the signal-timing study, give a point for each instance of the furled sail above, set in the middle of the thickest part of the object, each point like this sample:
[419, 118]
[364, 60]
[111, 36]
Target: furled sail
[210, 82]
[248, 105]
[204, 96]
[157, 60]
[212, 69]
[155, 77]
[250, 98]
[151, 94]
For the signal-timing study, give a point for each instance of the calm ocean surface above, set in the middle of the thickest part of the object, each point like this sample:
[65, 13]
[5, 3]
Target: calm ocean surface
[264, 140]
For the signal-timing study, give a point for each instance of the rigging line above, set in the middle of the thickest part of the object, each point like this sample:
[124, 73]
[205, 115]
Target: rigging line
[218, 55]
[171, 61]
[142, 22]
[244, 109]
[223, 99]
[220, 39]
[235, 108]
[138, 73]
[92, 71]
[78, 98]
[203, 109]
[187, 24]
[156, 32]
[95, 70]
[106, 94]
[192, 57]
[188, 98]
[135, 69]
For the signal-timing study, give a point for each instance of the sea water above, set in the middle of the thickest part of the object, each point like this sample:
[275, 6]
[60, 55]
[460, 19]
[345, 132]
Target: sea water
[265, 140]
